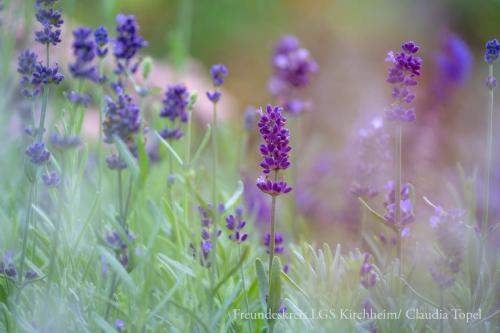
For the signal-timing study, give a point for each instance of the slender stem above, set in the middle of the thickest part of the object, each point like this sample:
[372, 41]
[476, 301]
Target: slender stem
[41, 126]
[25, 232]
[120, 200]
[489, 148]
[187, 170]
[244, 287]
[272, 233]
[295, 176]
[110, 296]
[213, 253]
[397, 190]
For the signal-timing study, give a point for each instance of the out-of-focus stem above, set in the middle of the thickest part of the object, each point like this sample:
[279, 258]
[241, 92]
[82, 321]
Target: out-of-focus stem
[397, 190]
[244, 287]
[489, 147]
[295, 176]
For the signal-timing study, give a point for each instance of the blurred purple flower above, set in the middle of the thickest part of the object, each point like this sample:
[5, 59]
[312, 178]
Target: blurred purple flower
[235, 223]
[51, 179]
[492, 52]
[76, 98]
[101, 39]
[406, 205]
[406, 66]
[218, 73]
[175, 104]
[27, 62]
[37, 153]
[84, 50]
[51, 21]
[128, 41]
[368, 277]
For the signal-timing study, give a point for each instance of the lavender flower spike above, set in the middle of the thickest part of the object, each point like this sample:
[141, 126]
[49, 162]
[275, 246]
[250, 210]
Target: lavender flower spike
[84, 50]
[275, 150]
[492, 52]
[405, 68]
[175, 106]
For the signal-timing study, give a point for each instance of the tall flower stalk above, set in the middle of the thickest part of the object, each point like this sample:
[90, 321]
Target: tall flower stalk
[218, 73]
[491, 56]
[275, 157]
[405, 67]
[36, 78]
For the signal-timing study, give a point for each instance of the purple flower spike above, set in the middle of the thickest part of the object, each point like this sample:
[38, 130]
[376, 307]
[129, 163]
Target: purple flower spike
[406, 205]
[101, 39]
[368, 276]
[37, 153]
[275, 150]
[51, 21]
[51, 179]
[293, 67]
[175, 105]
[122, 118]
[492, 52]
[84, 50]
[235, 224]
[128, 42]
[218, 73]
[120, 325]
[405, 68]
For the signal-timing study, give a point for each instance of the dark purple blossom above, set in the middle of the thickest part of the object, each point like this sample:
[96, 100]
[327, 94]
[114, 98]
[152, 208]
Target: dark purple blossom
[120, 244]
[368, 277]
[406, 66]
[51, 21]
[214, 96]
[30, 275]
[122, 119]
[101, 40]
[7, 266]
[27, 62]
[293, 67]
[44, 75]
[218, 73]
[115, 162]
[51, 179]
[235, 223]
[279, 240]
[406, 207]
[207, 233]
[76, 98]
[175, 104]
[275, 150]
[492, 52]
[84, 50]
[37, 153]
[128, 41]
[64, 142]
[120, 325]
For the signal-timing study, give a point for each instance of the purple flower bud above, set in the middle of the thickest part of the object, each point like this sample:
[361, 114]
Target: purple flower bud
[218, 73]
[492, 52]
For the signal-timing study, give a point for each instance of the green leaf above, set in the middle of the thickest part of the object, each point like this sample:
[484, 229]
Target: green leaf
[263, 282]
[236, 195]
[289, 280]
[103, 324]
[232, 270]
[192, 100]
[170, 149]
[147, 63]
[379, 218]
[203, 143]
[275, 286]
[127, 156]
[143, 159]
[118, 269]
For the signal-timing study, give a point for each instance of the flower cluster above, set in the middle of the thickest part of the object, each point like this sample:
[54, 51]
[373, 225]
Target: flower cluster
[84, 50]
[492, 52]
[275, 150]
[37, 153]
[292, 66]
[77, 99]
[44, 75]
[8, 268]
[51, 21]
[279, 247]
[101, 40]
[64, 142]
[235, 223]
[207, 232]
[122, 119]
[367, 275]
[51, 179]
[27, 62]
[175, 104]
[218, 73]
[373, 155]
[128, 42]
[449, 231]
[406, 66]
[406, 206]
[120, 245]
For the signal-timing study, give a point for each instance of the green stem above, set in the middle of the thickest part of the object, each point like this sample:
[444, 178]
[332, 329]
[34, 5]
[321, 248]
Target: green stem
[244, 287]
[397, 190]
[213, 253]
[110, 296]
[272, 233]
[120, 200]
[25, 232]
[489, 147]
